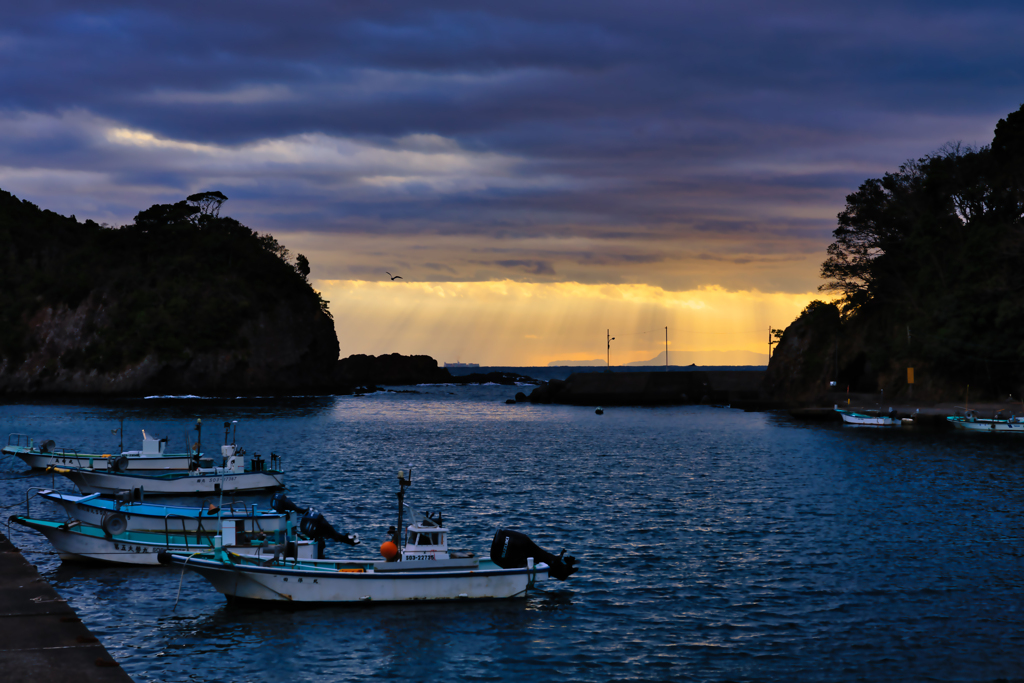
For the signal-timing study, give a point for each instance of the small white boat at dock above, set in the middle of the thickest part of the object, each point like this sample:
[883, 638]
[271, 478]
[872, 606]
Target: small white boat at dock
[421, 568]
[98, 510]
[232, 478]
[74, 540]
[152, 457]
[970, 422]
[867, 418]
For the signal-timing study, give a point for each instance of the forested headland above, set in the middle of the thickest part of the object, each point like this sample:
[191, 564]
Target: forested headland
[927, 265]
[181, 300]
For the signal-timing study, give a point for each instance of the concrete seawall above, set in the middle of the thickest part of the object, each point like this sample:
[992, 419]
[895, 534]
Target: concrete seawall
[42, 640]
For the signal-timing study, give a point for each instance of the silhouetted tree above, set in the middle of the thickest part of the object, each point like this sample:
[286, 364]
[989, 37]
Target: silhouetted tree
[206, 204]
[935, 248]
[302, 266]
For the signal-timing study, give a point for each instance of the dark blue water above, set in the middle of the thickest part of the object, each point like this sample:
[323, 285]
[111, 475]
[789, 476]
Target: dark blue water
[715, 545]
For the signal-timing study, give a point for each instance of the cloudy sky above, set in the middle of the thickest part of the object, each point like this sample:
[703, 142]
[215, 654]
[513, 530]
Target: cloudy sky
[538, 173]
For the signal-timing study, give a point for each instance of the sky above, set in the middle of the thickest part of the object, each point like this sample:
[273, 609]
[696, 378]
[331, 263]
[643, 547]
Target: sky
[540, 175]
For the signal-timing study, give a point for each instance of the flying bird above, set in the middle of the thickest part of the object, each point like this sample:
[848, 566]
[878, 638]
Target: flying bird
[394, 277]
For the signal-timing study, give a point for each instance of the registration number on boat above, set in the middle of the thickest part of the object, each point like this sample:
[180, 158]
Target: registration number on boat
[418, 557]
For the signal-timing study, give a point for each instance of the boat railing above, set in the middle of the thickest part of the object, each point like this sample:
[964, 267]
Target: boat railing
[247, 511]
[18, 439]
[184, 528]
[29, 494]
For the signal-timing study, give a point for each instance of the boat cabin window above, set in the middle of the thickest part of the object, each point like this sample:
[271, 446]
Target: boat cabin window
[423, 539]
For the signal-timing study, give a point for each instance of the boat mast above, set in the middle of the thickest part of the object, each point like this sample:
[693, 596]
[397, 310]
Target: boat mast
[402, 483]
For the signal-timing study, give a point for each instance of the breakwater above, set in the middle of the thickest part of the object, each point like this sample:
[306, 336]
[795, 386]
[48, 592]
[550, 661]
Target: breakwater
[733, 387]
[41, 637]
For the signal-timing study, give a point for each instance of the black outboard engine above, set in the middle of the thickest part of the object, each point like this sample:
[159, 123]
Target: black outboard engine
[319, 529]
[281, 504]
[509, 550]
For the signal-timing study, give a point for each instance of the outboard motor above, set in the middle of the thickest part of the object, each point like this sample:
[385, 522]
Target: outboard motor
[281, 504]
[315, 526]
[509, 550]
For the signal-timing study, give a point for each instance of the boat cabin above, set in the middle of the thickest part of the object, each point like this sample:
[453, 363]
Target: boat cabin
[425, 542]
[150, 446]
[233, 459]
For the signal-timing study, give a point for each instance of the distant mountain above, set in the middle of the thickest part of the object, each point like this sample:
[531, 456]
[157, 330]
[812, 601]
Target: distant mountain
[575, 363]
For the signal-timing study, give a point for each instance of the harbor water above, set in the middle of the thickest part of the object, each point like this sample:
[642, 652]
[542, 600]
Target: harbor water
[714, 544]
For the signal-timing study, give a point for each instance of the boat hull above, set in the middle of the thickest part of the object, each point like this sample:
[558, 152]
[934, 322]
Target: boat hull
[161, 518]
[986, 425]
[852, 418]
[348, 585]
[137, 463]
[182, 484]
[85, 542]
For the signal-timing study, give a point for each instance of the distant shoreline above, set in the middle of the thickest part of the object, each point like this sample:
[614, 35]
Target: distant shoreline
[545, 372]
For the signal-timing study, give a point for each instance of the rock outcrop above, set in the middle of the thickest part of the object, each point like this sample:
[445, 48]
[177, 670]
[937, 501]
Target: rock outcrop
[362, 370]
[286, 349]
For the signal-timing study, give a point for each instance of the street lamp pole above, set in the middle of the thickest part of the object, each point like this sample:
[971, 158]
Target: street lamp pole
[608, 335]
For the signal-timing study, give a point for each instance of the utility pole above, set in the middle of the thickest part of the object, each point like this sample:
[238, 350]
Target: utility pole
[608, 335]
[666, 348]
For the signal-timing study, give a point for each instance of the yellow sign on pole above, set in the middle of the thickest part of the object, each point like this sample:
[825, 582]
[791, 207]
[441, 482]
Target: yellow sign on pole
[910, 375]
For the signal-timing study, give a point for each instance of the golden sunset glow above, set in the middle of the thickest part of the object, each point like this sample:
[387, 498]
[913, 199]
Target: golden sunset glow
[532, 324]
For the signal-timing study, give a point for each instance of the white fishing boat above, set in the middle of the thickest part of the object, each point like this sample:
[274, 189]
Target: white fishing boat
[970, 422]
[232, 478]
[104, 511]
[74, 540]
[877, 420]
[420, 568]
[152, 457]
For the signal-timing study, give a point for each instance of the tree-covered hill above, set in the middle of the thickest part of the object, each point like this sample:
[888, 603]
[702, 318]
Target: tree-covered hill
[182, 299]
[928, 263]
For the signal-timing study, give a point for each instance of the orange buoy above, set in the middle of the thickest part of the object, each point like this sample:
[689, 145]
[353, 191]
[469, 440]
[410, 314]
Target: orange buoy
[388, 549]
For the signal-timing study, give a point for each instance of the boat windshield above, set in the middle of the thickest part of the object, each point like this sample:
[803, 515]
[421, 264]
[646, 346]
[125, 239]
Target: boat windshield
[422, 538]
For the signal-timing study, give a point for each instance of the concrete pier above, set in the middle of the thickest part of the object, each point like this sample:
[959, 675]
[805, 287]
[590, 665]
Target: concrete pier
[41, 638]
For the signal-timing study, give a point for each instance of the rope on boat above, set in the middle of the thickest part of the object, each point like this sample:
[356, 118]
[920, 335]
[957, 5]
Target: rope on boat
[182, 580]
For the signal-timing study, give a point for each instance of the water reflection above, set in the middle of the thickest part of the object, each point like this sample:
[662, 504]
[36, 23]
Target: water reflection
[714, 544]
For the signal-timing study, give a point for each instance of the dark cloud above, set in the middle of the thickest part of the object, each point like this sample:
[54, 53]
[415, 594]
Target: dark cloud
[731, 129]
[531, 267]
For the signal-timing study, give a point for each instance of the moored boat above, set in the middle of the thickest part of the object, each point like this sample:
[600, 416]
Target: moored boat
[98, 509]
[74, 540]
[420, 568]
[877, 420]
[970, 422]
[152, 457]
[234, 477]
